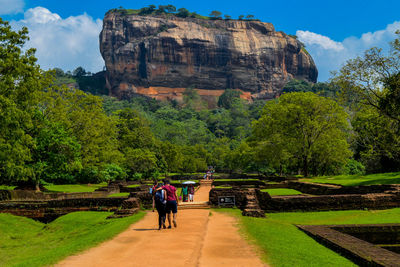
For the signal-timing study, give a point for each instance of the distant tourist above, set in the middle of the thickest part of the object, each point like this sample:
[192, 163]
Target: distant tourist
[191, 193]
[172, 202]
[152, 189]
[160, 201]
[184, 193]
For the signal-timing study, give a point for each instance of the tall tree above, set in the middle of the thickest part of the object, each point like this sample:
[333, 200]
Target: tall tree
[373, 79]
[303, 127]
[20, 81]
[82, 115]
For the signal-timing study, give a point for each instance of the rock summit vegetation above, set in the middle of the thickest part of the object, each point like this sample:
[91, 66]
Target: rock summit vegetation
[171, 10]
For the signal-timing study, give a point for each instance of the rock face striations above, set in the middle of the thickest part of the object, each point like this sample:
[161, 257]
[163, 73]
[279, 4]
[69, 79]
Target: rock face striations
[160, 56]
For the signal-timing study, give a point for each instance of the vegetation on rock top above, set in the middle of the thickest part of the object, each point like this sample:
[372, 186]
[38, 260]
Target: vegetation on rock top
[170, 10]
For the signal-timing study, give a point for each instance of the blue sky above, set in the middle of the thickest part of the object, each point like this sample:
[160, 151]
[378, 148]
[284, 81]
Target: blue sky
[333, 31]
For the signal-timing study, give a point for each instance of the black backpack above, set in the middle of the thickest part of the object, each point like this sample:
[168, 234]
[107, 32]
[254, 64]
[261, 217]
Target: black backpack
[158, 197]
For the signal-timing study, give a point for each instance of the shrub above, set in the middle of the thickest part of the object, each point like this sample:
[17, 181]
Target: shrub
[88, 175]
[354, 167]
[112, 172]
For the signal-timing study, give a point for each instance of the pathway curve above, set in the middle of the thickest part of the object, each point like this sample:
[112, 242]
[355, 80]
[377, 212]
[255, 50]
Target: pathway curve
[201, 239]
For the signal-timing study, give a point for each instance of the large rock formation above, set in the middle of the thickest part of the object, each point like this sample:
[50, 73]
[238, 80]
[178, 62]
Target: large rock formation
[160, 56]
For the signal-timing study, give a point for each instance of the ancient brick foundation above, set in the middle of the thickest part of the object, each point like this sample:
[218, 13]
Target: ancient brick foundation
[240, 196]
[330, 189]
[360, 243]
[327, 202]
[46, 211]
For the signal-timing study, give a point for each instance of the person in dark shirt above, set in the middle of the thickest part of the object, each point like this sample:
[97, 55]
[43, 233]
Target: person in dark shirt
[159, 202]
[172, 202]
[184, 193]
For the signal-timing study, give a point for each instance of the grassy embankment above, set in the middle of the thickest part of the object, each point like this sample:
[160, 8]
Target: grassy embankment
[74, 188]
[282, 244]
[281, 192]
[354, 180]
[65, 188]
[25, 242]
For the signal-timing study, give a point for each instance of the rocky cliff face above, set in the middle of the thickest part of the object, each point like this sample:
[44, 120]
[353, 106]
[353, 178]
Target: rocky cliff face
[161, 56]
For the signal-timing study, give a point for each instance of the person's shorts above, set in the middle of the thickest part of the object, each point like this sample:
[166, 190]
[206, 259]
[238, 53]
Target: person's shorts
[171, 206]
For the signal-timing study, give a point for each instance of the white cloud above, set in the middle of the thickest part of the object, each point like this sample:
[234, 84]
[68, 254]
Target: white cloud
[11, 6]
[310, 38]
[330, 55]
[63, 43]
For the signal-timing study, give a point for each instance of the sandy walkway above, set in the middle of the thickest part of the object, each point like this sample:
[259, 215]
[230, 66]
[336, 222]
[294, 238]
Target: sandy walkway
[199, 240]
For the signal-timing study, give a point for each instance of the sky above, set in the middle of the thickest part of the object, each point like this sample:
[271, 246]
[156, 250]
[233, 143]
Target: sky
[66, 33]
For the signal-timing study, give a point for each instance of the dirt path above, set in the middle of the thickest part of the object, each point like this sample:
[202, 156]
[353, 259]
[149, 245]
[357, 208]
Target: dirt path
[199, 240]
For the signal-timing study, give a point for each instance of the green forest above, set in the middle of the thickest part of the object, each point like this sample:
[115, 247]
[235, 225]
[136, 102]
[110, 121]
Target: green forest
[53, 133]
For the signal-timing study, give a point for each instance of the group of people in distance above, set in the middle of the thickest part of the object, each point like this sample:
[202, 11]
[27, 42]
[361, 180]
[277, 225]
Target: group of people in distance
[165, 201]
[187, 191]
[209, 174]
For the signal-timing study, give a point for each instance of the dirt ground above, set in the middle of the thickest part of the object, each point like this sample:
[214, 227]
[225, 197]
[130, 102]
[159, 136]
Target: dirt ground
[201, 239]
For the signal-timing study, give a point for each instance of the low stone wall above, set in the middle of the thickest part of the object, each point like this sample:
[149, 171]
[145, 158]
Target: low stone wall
[372, 233]
[327, 202]
[274, 186]
[329, 189]
[25, 195]
[359, 251]
[256, 183]
[5, 195]
[46, 211]
[240, 196]
[87, 202]
[144, 197]
[125, 189]
[111, 188]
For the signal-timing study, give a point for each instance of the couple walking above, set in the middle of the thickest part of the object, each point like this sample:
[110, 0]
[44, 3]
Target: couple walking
[166, 202]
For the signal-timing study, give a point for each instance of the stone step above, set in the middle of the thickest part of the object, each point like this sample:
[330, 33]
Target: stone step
[123, 213]
[252, 206]
[253, 213]
[194, 205]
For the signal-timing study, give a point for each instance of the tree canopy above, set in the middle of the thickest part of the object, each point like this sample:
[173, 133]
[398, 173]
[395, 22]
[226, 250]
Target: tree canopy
[305, 131]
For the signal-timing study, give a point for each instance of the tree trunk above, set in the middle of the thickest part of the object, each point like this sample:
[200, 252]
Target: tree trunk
[305, 166]
[37, 187]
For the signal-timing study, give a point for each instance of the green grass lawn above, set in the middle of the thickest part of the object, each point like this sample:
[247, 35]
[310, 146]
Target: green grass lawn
[353, 180]
[74, 188]
[25, 242]
[281, 192]
[6, 187]
[133, 185]
[283, 244]
[123, 194]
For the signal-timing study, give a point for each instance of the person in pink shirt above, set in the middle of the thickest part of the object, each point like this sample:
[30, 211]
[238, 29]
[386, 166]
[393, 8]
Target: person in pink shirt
[172, 202]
